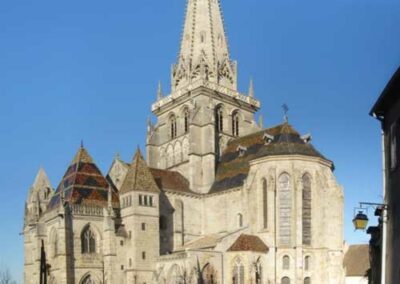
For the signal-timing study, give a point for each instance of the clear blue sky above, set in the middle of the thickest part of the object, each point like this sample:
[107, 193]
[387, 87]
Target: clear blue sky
[72, 70]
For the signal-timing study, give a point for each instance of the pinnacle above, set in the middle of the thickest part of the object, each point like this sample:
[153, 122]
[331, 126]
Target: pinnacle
[41, 179]
[204, 52]
[82, 156]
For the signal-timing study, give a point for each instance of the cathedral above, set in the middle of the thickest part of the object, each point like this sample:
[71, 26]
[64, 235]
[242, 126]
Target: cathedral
[218, 199]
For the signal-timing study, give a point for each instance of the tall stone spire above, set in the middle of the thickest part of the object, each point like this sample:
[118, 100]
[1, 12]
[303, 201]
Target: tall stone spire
[204, 52]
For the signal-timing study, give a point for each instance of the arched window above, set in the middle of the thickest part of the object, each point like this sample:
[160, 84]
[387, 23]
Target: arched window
[240, 220]
[306, 210]
[235, 124]
[170, 156]
[87, 280]
[88, 241]
[219, 119]
[186, 120]
[307, 280]
[238, 273]
[172, 124]
[55, 244]
[286, 262]
[307, 263]
[185, 149]
[265, 202]
[258, 273]
[175, 275]
[285, 280]
[285, 210]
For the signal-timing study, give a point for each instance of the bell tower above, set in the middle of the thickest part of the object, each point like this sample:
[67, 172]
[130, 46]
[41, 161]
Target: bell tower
[204, 109]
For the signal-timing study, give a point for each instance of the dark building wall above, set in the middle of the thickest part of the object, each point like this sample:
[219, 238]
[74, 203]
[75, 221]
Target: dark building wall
[391, 126]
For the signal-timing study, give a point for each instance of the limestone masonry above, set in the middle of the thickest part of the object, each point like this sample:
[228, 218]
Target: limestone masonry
[220, 199]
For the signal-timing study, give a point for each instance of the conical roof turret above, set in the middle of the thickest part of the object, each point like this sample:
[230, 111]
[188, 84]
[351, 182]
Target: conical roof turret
[139, 177]
[83, 184]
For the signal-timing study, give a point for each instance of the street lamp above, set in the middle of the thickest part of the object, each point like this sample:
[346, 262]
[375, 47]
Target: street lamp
[360, 220]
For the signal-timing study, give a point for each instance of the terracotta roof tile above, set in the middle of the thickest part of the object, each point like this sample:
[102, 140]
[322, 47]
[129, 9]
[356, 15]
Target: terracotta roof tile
[83, 184]
[356, 260]
[139, 177]
[249, 243]
[171, 180]
[233, 167]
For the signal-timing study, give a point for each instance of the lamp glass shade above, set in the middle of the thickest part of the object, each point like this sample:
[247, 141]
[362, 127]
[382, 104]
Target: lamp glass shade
[360, 221]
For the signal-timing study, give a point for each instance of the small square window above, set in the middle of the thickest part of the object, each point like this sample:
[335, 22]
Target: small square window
[143, 226]
[121, 243]
[146, 200]
[150, 200]
[143, 255]
[140, 199]
[122, 267]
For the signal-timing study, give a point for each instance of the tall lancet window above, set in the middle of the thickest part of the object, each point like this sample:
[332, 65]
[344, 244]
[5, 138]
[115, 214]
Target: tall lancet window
[172, 122]
[238, 272]
[186, 120]
[306, 210]
[265, 203]
[87, 280]
[219, 119]
[88, 241]
[285, 210]
[235, 124]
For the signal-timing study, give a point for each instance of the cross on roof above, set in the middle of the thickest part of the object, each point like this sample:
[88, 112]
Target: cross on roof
[285, 112]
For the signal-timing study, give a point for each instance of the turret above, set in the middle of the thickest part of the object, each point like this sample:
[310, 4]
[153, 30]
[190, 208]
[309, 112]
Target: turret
[139, 198]
[39, 196]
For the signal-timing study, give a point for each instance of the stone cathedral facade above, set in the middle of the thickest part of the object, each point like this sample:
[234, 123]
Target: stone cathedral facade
[220, 199]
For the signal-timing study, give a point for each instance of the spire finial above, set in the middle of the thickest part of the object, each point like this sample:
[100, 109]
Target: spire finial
[81, 143]
[261, 121]
[117, 156]
[204, 51]
[285, 111]
[251, 88]
[159, 91]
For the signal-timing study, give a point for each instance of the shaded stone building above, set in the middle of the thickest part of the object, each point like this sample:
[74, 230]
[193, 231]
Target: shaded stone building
[220, 199]
[387, 111]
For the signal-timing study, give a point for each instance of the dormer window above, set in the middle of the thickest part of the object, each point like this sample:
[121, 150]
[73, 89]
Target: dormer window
[268, 138]
[306, 138]
[242, 150]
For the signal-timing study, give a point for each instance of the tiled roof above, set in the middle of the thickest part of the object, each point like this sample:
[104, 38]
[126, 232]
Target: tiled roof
[249, 243]
[234, 166]
[139, 177]
[170, 180]
[83, 184]
[356, 260]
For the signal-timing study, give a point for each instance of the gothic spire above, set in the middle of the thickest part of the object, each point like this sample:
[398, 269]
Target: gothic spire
[251, 88]
[204, 52]
[159, 91]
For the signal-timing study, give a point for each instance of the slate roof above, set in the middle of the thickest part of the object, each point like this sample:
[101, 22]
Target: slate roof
[139, 177]
[356, 260]
[249, 243]
[233, 167]
[171, 180]
[389, 96]
[83, 184]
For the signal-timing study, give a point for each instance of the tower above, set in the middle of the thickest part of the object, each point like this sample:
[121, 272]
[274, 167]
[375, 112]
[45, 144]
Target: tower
[139, 195]
[204, 109]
